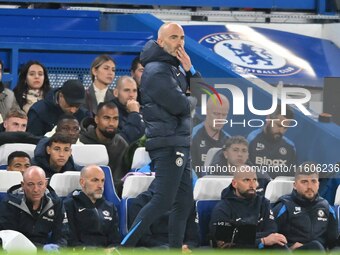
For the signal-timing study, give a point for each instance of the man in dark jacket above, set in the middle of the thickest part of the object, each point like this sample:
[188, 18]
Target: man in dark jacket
[166, 112]
[240, 204]
[157, 235]
[104, 131]
[305, 218]
[93, 221]
[131, 125]
[34, 209]
[44, 114]
[54, 155]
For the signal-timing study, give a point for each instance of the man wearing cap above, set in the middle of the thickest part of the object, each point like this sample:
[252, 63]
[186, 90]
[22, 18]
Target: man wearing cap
[44, 115]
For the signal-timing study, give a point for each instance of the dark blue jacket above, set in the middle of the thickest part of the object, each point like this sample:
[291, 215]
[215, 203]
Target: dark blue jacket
[255, 211]
[44, 114]
[47, 226]
[166, 109]
[131, 125]
[303, 221]
[41, 158]
[91, 224]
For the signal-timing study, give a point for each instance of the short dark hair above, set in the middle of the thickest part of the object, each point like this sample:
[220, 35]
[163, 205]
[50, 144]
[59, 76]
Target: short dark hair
[17, 154]
[66, 116]
[289, 112]
[108, 104]
[135, 63]
[59, 138]
[238, 139]
[306, 168]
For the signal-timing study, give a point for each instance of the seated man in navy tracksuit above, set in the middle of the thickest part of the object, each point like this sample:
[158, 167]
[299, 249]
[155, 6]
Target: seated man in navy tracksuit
[241, 205]
[93, 221]
[305, 218]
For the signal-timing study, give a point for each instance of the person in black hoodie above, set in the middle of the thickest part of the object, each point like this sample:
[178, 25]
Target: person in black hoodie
[93, 221]
[33, 209]
[305, 218]
[54, 155]
[241, 204]
[131, 125]
[44, 114]
[166, 113]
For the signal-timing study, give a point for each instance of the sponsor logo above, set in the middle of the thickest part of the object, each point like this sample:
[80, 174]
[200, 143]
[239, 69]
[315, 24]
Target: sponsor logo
[81, 209]
[321, 213]
[50, 213]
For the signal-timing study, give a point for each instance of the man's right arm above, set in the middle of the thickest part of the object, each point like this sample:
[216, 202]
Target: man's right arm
[164, 90]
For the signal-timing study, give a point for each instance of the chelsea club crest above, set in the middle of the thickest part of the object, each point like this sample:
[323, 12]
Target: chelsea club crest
[248, 56]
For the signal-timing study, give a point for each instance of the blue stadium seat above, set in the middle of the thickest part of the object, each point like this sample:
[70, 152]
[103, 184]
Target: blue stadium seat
[7, 180]
[8, 148]
[109, 189]
[123, 220]
[204, 209]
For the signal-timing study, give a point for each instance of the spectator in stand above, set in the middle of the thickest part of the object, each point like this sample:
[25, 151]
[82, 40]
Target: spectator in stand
[7, 98]
[14, 128]
[305, 218]
[269, 146]
[93, 221]
[103, 130]
[208, 135]
[131, 125]
[34, 209]
[103, 70]
[15, 120]
[18, 161]
[33, 85]
[44, 115]
[136, 73]
[68, 125]
[54, 155]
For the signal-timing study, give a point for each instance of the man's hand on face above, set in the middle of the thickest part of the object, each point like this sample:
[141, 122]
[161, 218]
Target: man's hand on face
[132, 106]
[184, 58]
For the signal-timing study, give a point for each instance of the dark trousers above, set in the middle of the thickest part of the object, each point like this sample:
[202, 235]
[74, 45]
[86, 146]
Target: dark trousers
[173, 190]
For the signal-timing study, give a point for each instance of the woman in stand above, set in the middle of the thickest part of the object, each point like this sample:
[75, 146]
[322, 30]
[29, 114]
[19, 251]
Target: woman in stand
[33, 85]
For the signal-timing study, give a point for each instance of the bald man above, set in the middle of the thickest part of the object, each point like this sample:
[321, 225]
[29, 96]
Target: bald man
[131, 125]
[93, 220]
[209, 134]
[34, 209]
[166, 113]
[241, 204]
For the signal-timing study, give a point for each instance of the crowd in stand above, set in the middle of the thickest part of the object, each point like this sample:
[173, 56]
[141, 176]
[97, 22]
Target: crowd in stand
[56, 118]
